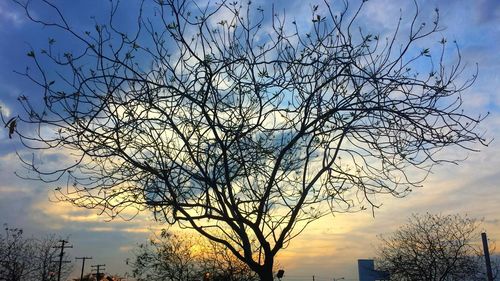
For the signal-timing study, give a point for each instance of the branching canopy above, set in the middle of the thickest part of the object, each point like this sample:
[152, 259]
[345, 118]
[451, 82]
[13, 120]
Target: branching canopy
[238, 122]
[434, 247]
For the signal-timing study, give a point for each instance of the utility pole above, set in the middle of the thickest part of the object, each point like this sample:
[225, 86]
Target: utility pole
[83, 264]
[98, 270]
[61, 255]
[487, 256]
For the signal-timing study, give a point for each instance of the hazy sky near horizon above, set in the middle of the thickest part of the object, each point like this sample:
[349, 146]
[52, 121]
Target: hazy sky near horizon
[330, 247]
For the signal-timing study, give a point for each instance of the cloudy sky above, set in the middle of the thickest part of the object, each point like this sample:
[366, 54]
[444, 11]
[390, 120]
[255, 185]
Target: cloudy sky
[328, 248]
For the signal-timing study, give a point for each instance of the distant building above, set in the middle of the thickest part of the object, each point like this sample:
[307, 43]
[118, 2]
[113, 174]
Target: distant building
[367, 271]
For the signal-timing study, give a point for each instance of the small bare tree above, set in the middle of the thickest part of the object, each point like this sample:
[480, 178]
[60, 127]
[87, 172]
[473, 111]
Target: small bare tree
[222, 265]
[240, 124]
[174, 257]
[166, 257]
[29, 259]
[434, 247]
[14, 255]
[45, 254]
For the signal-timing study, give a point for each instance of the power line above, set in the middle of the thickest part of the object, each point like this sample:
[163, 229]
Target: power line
[98, 268]
[487, 256]
[83, 264]
[61, 255]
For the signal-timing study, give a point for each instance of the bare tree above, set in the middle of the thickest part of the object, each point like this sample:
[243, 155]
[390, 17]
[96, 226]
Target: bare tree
[434, 247]
[167, 257]
[29, 259]
[171, 256]
[222, 265]
[14, 255]
[236, 122]
[43, 260]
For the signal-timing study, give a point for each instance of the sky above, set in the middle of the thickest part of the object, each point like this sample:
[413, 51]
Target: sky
[330, 247]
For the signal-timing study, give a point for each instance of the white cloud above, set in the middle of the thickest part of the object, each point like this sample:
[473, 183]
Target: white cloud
[9, 16]
[487, 10]
[5, 109]
[469, 188]
[331, 245]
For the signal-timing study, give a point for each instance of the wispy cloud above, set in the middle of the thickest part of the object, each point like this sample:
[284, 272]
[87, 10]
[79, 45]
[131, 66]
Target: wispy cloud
[487, 10]
[470, 188]
[331, 245]
[9, 16]
[5, 109]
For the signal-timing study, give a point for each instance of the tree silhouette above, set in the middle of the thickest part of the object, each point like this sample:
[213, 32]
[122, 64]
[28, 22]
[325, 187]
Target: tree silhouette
[171, 256]
[29, 259]
[232, 120]
[434, 247]
[14, 253]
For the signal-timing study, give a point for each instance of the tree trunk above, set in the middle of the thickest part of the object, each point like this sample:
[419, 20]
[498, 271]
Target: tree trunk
[266, 271]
